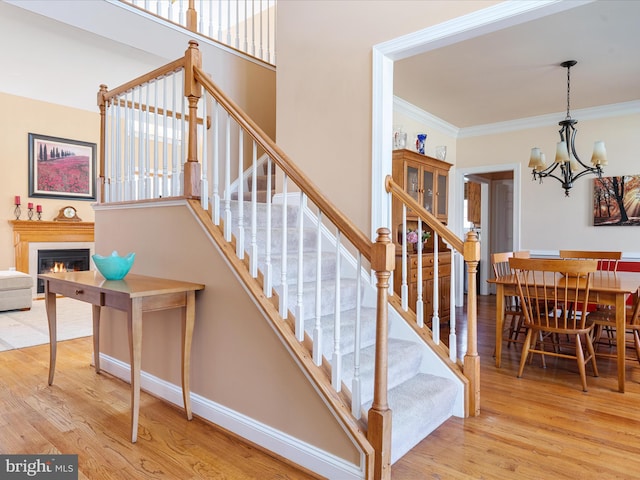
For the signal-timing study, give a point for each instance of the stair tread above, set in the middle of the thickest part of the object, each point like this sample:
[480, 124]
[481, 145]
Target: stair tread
[419, 406]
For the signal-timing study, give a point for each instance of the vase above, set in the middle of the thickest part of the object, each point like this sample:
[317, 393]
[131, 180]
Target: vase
[420, 141]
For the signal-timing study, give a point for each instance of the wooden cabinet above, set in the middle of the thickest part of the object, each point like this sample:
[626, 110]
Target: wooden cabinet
[444, 283]
[426, 180]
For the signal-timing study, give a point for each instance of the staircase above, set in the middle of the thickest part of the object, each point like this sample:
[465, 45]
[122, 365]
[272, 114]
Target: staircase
[308, 267]
[420, 401]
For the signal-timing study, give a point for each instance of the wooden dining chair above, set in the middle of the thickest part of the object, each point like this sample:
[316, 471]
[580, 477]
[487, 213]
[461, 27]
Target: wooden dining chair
[606, 319]
[607, 261]
[514, 330]
[546, 287]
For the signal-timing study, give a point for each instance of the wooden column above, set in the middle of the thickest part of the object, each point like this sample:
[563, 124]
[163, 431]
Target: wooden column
[380, 416]
[193, 92]
[472, 359]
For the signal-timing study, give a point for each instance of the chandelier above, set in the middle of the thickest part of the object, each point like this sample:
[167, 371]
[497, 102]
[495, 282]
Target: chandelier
[567, 159]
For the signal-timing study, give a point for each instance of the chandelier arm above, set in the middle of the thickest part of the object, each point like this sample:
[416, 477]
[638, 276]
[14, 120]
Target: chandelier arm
[596, 171]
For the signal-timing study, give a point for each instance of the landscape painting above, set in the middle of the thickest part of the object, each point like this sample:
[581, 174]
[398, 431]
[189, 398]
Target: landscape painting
[61, 168]
[616, 201]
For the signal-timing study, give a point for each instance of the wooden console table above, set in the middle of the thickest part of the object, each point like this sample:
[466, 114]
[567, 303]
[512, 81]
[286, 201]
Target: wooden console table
[135, 295]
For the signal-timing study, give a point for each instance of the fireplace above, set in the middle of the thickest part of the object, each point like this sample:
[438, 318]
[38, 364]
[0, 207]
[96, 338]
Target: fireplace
[62, 260]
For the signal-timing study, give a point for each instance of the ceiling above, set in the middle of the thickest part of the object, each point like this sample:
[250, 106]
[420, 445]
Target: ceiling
[515, 73]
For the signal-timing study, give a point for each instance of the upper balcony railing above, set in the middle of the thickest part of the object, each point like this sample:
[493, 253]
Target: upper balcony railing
[244, 25]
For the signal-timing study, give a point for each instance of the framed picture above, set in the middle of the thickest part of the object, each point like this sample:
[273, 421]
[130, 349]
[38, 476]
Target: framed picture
[61, 168]
[616, 201]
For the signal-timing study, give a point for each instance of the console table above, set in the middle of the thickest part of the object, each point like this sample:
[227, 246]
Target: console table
[135, 294]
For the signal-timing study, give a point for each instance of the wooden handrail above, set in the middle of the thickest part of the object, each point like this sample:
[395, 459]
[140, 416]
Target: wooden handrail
[147, 77]
[447, 235]
[355, 236]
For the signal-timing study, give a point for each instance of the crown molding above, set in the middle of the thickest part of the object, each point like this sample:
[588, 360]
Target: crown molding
[431, 121]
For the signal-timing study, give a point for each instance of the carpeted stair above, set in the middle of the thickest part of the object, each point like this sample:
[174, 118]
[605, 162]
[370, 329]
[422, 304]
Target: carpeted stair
[420, 402]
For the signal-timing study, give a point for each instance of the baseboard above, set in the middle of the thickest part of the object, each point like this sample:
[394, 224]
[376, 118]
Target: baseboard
[282, 444]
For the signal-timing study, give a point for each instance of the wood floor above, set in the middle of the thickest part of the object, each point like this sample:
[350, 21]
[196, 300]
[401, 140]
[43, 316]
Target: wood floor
[541, 426]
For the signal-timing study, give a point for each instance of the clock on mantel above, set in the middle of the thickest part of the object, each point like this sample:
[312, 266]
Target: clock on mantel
[67, 214]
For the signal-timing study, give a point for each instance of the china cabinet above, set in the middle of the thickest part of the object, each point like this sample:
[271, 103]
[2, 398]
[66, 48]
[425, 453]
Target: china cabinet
[426, 180]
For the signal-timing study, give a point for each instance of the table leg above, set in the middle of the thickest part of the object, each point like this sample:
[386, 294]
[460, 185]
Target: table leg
[135, 352]
[620, 338]
[188, 320]
[499, 321]
[96, 336]
[50, 299]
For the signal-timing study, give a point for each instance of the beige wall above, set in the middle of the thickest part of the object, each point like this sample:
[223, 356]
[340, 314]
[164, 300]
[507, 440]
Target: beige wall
[22, 116]
[551, 221]
[231, 337]
[324, 86]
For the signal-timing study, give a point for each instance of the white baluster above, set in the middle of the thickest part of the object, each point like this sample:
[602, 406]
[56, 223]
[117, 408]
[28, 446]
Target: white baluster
[419, 300]
[228, 42]
[240, 238]
[336, 361]
[261, 39]
[156, 160]
[165, 140]
[356, 394]
[299, 327]
[147, 157]
[227, 181]
[284, 297]
[453, 339]
[253, 27]
[130, 146]
[118, 152]
[237, 24]
[205, 152]
[216, 166]
[404, 289]
[254, 211]
[219, 21]
[435, 322]
[246, 28]
[268, 269]
[317, 329]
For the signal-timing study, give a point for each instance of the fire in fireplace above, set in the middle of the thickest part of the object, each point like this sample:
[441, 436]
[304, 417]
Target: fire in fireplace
[62, 260]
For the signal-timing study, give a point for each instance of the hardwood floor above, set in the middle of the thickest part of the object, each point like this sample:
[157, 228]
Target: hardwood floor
[89, 414]
[541, 426]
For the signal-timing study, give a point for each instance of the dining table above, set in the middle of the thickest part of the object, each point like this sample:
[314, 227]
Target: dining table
[606, 288]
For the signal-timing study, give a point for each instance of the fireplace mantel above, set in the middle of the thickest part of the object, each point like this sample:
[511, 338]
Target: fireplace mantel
[27, 231]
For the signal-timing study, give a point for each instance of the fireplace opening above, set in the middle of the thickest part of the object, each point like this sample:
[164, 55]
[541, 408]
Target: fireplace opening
[62, 260]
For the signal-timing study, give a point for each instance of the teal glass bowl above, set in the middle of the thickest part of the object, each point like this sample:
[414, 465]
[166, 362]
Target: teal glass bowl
[114, 267]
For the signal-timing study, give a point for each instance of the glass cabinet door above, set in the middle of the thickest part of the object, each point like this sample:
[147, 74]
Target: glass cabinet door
[427, 189]
[442, 195]
[412, 187]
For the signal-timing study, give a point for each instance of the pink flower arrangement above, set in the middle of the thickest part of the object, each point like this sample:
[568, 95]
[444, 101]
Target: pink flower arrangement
[412, 236]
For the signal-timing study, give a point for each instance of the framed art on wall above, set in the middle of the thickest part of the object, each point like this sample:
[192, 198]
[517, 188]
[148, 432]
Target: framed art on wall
[61, 168]
[616, 201]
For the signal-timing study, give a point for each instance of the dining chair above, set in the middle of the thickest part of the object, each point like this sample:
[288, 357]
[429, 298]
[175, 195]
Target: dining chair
[606, 319]
[546, 287]
[513, 324]
[607, 261]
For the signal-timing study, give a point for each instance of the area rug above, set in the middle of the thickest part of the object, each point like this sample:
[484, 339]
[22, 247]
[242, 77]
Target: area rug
[26, 328]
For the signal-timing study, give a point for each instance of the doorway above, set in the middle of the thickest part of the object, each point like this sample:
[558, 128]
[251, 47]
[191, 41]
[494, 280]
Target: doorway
[499, 228]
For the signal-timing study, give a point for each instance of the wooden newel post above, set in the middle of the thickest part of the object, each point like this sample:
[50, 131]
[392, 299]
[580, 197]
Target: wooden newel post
[193, 92]
[379, 429]
[101, 153]
[471, 359]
